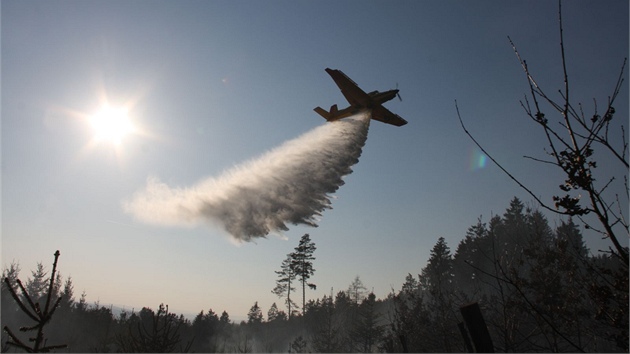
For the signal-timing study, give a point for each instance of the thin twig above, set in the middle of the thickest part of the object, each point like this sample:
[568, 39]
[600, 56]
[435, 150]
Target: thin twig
[540, 160]
[502, 168]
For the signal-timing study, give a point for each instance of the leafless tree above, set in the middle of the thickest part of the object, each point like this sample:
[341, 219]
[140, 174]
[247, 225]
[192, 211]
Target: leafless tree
[571, 144]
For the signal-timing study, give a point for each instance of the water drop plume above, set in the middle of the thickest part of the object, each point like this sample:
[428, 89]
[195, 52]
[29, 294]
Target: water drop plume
[292, 183]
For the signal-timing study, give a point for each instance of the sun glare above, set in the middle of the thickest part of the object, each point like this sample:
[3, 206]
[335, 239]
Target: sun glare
[111, 124]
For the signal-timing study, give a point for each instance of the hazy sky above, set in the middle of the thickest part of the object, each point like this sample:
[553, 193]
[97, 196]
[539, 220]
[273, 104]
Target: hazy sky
[212, 84]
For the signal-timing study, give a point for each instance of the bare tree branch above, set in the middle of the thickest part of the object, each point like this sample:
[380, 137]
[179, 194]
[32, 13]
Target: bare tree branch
[501, 166]
[572, 148]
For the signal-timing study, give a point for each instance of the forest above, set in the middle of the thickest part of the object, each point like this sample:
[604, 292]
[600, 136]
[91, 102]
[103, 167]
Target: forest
[539, 289]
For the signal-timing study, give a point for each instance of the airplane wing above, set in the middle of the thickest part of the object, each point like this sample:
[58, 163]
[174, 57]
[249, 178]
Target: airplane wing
[349, 88]
[384, 115]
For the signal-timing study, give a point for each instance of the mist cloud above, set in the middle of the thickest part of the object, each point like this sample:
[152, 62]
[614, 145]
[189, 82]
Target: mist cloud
[292, 183]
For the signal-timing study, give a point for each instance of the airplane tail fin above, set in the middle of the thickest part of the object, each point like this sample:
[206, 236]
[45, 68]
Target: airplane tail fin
[329, 116]
[322, 112]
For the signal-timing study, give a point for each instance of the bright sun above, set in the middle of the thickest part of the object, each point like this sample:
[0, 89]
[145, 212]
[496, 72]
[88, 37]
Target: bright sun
[111, 124]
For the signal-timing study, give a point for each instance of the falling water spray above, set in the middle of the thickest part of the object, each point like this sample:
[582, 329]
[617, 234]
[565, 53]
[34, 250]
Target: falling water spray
[292, 183]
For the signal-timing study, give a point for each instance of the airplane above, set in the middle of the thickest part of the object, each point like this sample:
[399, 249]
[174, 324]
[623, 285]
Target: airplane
[360, 101]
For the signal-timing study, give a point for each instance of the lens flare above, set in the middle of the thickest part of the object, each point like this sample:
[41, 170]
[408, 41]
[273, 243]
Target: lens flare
[477, 159]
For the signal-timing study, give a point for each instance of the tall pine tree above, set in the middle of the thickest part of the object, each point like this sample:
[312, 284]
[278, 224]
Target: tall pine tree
[302, 265]
[284, 286]
[255, 316]
[356, 290]
[436, 280]
[36, 285]
[367, 330]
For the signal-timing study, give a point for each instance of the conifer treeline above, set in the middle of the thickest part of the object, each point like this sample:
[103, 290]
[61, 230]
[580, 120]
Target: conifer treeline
[539, 289]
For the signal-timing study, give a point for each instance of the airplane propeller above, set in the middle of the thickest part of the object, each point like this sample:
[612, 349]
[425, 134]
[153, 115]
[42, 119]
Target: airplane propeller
[398, 94]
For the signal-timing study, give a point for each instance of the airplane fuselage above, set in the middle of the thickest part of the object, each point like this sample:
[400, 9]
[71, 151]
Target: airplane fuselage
[382, 97]
[377, 98]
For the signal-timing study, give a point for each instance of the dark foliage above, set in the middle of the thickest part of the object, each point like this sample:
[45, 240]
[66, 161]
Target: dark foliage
[153, 332]
[538, 288]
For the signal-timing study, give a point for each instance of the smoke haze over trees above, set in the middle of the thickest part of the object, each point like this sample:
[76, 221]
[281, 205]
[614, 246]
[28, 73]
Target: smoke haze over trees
[539, 289]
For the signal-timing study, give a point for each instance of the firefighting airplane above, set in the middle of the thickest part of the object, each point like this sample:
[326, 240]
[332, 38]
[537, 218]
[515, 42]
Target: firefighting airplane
[360, 101]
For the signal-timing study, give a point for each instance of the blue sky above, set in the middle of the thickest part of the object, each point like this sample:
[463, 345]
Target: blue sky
[212, 84]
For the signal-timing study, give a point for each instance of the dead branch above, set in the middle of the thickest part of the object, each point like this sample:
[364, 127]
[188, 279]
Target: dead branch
[36, 314]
